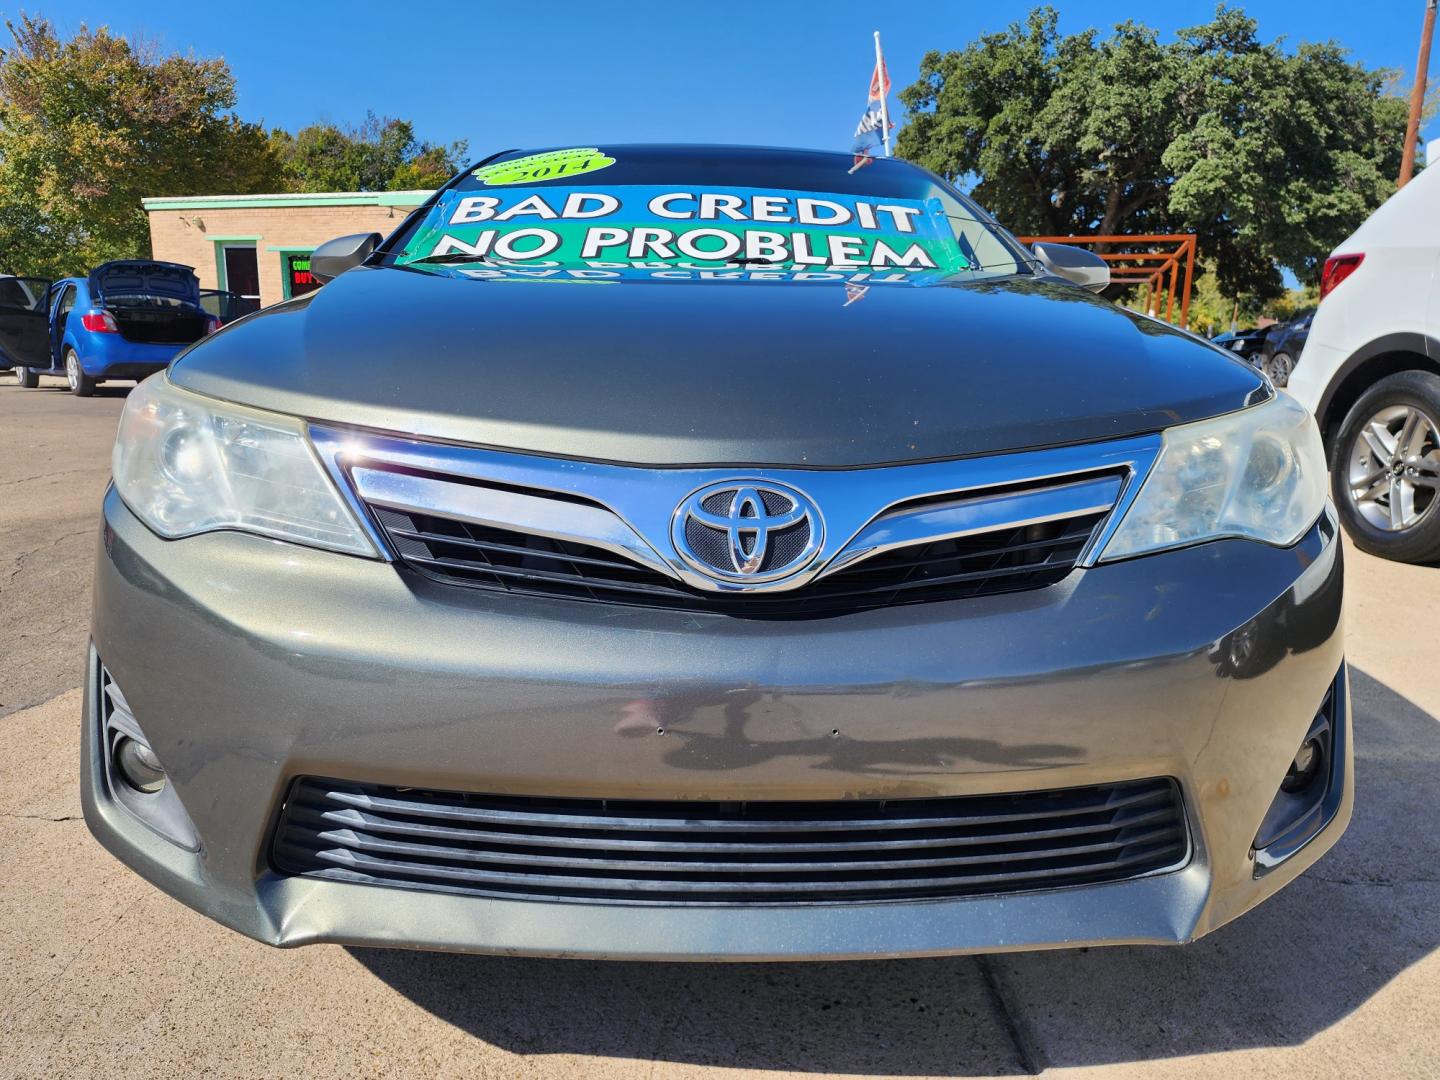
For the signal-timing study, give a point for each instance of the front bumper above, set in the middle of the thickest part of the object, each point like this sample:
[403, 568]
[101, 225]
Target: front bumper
[249, 662]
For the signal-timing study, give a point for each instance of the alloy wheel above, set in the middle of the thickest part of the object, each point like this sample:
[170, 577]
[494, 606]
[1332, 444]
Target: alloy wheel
[72, 369]
[1394, 469]
[1279, 367]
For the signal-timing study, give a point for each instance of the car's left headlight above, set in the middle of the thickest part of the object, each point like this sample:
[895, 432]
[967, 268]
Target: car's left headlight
[187, 464]
[1258, 473]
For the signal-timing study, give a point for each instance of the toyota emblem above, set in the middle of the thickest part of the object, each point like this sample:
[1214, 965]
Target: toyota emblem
[747, 532]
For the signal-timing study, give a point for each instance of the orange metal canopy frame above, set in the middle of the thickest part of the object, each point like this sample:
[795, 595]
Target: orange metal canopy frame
[1157, 267]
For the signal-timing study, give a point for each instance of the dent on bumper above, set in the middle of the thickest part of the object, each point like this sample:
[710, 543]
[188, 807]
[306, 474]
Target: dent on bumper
[249, 662]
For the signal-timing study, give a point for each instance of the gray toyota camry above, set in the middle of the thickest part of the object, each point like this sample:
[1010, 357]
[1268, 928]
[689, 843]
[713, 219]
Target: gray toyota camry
[685, 552]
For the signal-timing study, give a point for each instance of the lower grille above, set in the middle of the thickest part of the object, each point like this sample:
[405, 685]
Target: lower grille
[633, 851]
[1005, 560]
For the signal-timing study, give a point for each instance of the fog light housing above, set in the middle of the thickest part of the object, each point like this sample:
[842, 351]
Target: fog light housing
[138, 766]
[134, 777]
[1311, 790]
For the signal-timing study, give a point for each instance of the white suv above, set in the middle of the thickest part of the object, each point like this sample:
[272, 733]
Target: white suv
[1370, 373]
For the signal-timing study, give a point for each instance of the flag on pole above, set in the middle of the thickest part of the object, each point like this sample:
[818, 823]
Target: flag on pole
[874, 128]
[867, 135]
[879, 81]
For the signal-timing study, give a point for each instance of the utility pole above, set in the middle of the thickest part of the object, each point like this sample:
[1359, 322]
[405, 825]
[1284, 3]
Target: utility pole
[1417, 95]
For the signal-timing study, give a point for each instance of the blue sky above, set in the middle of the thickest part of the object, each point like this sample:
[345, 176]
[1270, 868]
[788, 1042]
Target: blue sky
[552, 72]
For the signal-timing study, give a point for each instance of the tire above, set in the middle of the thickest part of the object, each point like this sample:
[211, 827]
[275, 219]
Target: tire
[1279, 367]
[81, 385]
[29, 378]
[1388, 495]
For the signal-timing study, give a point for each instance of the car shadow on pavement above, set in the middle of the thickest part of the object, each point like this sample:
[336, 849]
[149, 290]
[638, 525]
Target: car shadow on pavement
[1300, 963]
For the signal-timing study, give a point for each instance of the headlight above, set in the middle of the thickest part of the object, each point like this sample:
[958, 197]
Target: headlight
[188, 464]
[1258, 473]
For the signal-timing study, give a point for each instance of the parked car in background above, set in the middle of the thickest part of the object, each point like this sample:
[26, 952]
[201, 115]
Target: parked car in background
[124, 320]
[819, 572]
[24, 326]
[1282, 345]
[1370, 373]
[1243, 343]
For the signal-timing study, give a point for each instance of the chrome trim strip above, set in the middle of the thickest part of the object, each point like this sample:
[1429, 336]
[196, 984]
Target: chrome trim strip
[1134, 480]
[642, 500]
[498, 509]
[966, 517]
[330, 447]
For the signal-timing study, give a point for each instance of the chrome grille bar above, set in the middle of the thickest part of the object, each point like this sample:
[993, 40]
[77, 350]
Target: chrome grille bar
[906, 527]
[534, 515]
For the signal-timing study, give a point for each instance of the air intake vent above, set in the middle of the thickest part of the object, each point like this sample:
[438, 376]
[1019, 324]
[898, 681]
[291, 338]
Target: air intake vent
[630, 851]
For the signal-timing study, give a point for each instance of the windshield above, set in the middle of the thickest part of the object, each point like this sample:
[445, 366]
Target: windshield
[704, 213]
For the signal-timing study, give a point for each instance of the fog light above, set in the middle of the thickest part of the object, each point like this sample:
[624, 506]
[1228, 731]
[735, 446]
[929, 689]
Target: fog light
[138, 766]
[1304, 768]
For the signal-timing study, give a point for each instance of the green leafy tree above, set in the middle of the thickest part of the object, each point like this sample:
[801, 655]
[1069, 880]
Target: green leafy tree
[379, 155]
[1270, 157]
[90, 125]
[1292, 302]
[1210, 312]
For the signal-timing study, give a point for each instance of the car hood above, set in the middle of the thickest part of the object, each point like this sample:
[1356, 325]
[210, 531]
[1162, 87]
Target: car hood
[721, 373]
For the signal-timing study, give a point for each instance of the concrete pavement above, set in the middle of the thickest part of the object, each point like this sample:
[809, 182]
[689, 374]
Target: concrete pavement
[105, 976]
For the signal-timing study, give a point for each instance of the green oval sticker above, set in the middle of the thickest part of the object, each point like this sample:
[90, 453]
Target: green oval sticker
[551, 165]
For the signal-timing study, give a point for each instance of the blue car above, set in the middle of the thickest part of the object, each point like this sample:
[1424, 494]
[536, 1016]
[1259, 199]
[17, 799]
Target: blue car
[124, 320]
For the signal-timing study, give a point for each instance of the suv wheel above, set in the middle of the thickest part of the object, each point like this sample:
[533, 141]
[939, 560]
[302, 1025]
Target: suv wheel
[1279, 367]
[1386, 475]
[29, 378]
[81, 385]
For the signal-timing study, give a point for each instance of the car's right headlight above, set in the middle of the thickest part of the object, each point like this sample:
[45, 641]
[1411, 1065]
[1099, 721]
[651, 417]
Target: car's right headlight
[187, 464]
[1258, 473]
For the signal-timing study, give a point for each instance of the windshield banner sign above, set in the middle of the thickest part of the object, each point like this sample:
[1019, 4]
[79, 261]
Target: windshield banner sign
[674, 232]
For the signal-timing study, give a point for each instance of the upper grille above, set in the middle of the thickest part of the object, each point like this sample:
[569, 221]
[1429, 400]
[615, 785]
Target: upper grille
[1005, 560]
[633, 851]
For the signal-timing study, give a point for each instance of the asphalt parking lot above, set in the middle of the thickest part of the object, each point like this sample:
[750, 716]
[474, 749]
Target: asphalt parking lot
[103, 975]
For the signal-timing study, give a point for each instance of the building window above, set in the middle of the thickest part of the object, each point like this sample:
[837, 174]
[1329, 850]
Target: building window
[295, 273]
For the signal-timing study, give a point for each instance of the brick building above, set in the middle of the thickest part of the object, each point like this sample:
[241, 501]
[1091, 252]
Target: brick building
[259, 245]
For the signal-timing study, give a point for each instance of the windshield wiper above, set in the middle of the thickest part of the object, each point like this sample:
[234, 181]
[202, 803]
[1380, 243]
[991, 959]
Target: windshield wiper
[448, 258]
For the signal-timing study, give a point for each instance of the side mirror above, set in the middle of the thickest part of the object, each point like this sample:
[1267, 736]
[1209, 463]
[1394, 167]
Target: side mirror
[334, 257]
[1075, 264]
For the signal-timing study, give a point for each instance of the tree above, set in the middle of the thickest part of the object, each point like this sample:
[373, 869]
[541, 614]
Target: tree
[91, 125]
[1210, 313]
[1292, 302]
[379, 155]
[1269, 157]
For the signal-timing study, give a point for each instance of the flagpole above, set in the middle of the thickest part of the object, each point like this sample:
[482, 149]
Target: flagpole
[884, 104]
